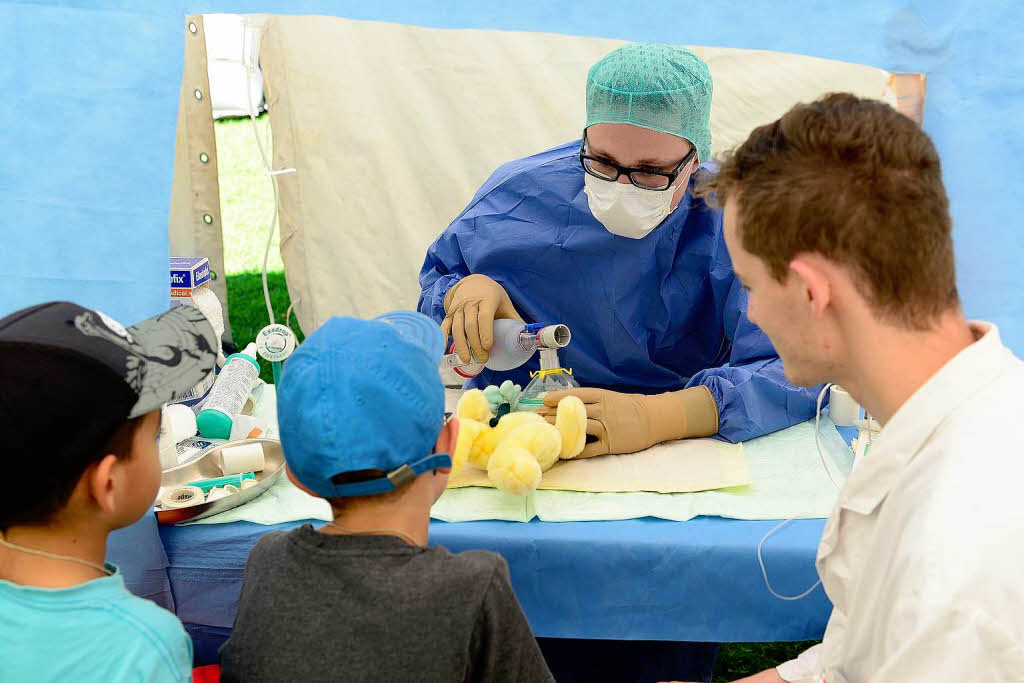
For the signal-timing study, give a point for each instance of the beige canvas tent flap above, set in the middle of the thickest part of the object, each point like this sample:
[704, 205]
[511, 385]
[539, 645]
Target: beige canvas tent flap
[391, 129]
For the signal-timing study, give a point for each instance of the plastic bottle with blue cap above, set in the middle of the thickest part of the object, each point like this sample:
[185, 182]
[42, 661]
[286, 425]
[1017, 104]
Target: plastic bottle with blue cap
[233, 386]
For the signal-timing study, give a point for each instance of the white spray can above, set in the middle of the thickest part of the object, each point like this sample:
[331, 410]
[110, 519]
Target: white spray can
[233, 386]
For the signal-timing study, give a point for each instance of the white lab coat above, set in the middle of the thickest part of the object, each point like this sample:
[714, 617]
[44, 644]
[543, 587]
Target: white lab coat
[923, 555]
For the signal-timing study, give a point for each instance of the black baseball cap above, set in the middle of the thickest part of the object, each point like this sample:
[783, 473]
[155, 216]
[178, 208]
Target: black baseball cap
[70, 377]
[158, 359]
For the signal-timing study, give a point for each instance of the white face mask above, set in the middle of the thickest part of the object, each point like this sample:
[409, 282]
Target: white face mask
[626, 210]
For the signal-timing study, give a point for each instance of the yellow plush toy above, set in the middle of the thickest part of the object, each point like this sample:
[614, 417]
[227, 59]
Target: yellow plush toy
[522, 446]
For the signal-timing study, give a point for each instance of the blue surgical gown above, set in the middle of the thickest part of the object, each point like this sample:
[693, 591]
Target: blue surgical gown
[647, 316]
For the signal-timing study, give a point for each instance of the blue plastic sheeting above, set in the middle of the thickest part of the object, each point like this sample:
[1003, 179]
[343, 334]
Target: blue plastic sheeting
[88, 128]
[139, 555]
[91, 91]
[640, 579]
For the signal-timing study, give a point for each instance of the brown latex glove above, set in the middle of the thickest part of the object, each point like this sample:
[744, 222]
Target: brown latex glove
[627, 423]
[470, 308]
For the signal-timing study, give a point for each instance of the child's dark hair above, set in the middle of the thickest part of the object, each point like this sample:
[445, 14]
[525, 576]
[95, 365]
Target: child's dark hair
[46, 454]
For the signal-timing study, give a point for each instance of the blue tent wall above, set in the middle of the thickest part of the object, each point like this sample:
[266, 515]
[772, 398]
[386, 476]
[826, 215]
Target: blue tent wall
[90, 94]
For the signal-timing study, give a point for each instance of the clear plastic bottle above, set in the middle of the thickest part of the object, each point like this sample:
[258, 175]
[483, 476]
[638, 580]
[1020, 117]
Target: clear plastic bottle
[514, 344]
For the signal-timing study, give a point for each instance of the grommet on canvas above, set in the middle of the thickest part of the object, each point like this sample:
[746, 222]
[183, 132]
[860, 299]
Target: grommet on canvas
[208, 219]
[204, 157]
[192, 28]
[198, 93]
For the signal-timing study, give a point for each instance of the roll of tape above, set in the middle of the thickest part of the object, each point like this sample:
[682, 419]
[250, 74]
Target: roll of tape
[249, 483]
[245, 458]
[181, 497]
[842, 408]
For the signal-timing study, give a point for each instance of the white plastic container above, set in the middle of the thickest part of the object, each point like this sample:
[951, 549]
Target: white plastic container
[514, 344]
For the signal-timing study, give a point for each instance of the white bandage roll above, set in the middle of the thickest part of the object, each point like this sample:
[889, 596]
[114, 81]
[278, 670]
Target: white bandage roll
[168, 452]
[842, 407]
[177, 422]
[206, 301]
[181, 497]
[240, 459]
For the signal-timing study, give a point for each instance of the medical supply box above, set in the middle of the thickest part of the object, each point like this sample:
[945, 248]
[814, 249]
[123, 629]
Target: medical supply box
[187, 274]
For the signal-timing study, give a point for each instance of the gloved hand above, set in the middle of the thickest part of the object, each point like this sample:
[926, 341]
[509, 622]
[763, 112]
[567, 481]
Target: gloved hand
[627, 423]
[470, 309]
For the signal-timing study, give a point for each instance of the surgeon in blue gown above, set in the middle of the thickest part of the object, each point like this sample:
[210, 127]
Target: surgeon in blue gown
[605, 234]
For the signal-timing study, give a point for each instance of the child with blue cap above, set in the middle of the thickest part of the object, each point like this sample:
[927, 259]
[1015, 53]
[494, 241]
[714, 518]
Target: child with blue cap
[361, 413]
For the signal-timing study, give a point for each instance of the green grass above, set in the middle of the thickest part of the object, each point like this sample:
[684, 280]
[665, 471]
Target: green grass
[736, 660]
[246, 208]
[247, 310]
[247, 204]
[246, 197]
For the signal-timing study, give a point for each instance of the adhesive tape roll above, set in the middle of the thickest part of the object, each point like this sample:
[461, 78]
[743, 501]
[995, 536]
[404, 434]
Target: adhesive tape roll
[249, 483]
[181, 497]
[239, 459]
[178, 422]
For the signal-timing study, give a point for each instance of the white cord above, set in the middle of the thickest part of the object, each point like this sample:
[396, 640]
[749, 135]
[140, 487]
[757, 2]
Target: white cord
[764, 572]
[817, 438]
[824, 464]
[249, 58]
[288, 314]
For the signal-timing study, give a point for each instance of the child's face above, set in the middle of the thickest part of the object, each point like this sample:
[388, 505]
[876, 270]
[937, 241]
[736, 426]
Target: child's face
[140, 472]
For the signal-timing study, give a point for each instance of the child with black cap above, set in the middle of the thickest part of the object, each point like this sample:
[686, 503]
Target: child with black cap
[361, 413]
[80, 400]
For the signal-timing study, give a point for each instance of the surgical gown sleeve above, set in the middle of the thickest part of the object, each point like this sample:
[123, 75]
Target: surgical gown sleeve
[752, 393]
[443, 267]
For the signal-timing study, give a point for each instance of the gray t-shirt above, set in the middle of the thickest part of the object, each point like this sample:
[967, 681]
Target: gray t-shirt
[319, 607]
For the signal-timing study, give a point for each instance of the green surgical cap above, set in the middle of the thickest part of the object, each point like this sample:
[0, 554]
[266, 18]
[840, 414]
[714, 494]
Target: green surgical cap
[660, 87]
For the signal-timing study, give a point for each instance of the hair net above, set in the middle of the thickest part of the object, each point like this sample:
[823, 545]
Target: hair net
[661, 87]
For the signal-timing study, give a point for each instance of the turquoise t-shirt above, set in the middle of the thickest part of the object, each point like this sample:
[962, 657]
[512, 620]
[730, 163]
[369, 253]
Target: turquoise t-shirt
[96, 631]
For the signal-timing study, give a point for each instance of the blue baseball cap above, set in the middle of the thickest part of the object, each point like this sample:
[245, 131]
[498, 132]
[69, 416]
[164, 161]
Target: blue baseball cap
[363, 395]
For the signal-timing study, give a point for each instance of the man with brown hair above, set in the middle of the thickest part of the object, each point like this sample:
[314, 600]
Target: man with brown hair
[838, 224]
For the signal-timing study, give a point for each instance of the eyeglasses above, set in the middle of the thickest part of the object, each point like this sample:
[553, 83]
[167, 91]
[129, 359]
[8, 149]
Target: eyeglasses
[644, 178]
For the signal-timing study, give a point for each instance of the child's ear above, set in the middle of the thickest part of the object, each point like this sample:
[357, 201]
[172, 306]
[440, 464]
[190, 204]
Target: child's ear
[298, 484]
[100, 482]
[448, 437]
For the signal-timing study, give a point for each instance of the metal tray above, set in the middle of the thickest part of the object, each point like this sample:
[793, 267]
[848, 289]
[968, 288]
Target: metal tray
[205, 467]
